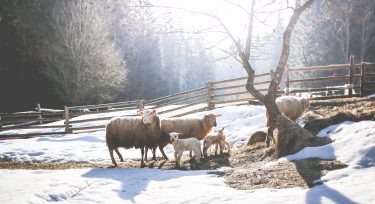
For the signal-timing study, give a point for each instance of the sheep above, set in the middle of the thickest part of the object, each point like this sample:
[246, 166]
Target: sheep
[181, 145]
[189, 127]
[217, 138]
[224, 143]
[128, 132]
[292, 107]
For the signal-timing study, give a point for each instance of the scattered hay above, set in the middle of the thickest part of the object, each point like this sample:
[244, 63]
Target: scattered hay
[330, 112]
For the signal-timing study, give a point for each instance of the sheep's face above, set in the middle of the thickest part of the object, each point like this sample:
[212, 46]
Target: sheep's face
[220, 130]
[174, 136]
[211, 119]
[148, 116]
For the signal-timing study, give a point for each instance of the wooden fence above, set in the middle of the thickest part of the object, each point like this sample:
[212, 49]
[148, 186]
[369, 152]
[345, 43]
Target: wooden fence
[352, 80]
[22, 119]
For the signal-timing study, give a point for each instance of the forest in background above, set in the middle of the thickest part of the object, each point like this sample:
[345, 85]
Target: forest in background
[74, 52]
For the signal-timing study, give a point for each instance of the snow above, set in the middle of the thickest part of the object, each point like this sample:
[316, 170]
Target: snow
[354, 144]
[89, 147]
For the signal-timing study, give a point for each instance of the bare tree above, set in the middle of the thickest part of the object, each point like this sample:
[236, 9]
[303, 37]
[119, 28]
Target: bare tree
[290, 137]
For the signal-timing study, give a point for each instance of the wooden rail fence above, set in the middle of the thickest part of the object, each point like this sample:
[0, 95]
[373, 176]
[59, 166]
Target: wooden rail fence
[352, 80]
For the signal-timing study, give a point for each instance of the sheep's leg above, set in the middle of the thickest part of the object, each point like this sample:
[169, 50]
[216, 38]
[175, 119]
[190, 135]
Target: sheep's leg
[142, 153]
[179, 158]
[216, 147]
[112, 158]
[176, 158]
[146, 154]
[119, 155]
[197, 153]
[205, 149]
[227, 143]
[222, 147]
[161, 148]
[191, 154]
[154, 153]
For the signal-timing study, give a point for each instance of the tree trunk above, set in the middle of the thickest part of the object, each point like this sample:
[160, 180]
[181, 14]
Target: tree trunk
[289, 136]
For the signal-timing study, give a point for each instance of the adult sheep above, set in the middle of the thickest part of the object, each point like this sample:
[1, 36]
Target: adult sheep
[137, 132]
[189, 127]
[292, 107]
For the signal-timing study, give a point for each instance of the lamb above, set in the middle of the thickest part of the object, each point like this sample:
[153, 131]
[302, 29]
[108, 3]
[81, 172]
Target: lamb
[181, 145]
[292, 107]
[128, 132]
[189, 127]
[218, 138]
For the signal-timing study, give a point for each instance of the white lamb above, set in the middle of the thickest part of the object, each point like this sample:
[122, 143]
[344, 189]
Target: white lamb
[181, 145]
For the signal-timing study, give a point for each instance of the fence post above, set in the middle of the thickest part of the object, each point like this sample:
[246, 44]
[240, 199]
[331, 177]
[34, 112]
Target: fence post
[287, 81]
[209, 96]
[38, 109]
[351, 61]
[141, 105]
[1, 124]
[363, 73]
[67, 120]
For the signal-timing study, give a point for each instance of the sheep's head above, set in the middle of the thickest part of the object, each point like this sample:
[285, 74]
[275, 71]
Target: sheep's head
[211, 119]
[305, 103]
[174, 136]
[220, 130]
[147, 115]
[220, 133]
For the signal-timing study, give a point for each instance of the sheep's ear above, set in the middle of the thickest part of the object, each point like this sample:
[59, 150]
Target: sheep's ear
[218, 114]
[140, 112]
[222, 129]
[153, 110]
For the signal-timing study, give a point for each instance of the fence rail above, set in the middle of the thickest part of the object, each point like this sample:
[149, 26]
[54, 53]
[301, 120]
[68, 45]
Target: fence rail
[351, 80]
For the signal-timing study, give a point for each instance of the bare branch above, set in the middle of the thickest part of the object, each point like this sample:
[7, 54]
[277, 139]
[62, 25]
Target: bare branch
[238, 6]
[223, 58]
[217, 43]
[286, 49]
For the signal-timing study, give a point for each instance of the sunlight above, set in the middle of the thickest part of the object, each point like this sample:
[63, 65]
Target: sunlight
[234, 14]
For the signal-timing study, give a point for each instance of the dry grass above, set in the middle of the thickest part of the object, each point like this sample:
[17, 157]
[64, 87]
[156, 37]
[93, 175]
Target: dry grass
[252, 170]
[324, 113]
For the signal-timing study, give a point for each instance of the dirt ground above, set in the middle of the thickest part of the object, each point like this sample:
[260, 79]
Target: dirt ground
[251, 167]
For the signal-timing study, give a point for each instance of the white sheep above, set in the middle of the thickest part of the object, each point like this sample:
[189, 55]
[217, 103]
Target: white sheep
[292, 107]
[218, 138]
[189, 127]
[181, 145]
[128, 132]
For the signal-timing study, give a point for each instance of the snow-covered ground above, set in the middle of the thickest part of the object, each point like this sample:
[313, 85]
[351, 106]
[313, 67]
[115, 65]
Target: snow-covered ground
[90, 147]
[354, 144]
